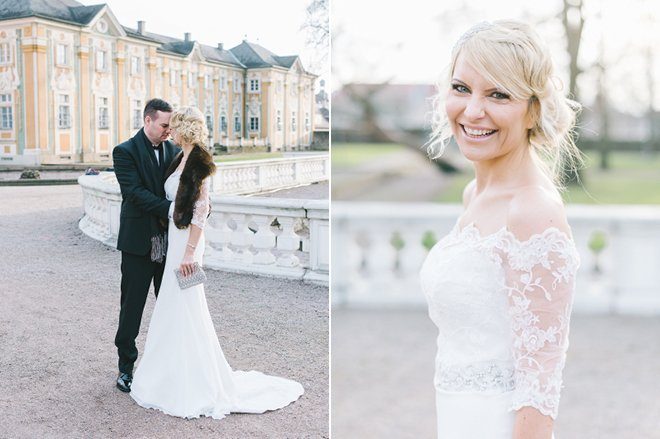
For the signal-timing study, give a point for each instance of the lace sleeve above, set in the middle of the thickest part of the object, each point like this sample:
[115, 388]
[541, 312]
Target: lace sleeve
[540, 281]
[202, 205]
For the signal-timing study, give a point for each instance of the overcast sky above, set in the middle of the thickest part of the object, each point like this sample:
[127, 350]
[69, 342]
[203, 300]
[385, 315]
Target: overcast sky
[276, 25]
[411, 41]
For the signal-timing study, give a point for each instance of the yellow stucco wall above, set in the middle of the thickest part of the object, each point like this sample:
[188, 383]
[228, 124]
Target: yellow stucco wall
[85, 140]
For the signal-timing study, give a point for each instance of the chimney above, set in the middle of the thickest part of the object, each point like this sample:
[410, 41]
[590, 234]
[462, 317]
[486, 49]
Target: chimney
[221, 46]
[141, 27]
[187, 37]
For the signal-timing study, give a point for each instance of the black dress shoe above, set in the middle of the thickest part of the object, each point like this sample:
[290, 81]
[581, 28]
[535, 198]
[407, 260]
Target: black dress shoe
[124, 381]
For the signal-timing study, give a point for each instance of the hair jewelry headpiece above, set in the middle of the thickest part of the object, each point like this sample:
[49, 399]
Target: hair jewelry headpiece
[481, 26]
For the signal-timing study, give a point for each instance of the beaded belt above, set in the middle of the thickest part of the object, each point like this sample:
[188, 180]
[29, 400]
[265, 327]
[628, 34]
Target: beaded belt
[475, 377]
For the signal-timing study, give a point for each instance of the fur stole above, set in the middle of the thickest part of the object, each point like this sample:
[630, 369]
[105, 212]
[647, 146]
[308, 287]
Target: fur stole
[198, 166]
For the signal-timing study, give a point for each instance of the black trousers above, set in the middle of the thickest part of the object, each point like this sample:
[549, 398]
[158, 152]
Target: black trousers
[137, 272]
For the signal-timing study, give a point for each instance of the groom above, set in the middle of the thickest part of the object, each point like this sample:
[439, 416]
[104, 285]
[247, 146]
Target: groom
[140, 164]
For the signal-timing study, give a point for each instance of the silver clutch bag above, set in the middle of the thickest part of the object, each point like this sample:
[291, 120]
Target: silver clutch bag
[197, 277]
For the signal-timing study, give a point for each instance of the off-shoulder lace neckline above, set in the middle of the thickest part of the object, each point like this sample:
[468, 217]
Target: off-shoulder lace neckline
[471, 230]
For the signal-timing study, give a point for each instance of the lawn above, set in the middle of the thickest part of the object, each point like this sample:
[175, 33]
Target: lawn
[633, 178]
[346, 155]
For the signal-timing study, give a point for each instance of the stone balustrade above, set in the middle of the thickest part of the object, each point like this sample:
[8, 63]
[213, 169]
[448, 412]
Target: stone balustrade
[102, 205]
[252, 176]
[378, 249]
[240, 142]
[268, 236]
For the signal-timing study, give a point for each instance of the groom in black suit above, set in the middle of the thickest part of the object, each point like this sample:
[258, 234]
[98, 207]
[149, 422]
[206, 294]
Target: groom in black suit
[140, 164]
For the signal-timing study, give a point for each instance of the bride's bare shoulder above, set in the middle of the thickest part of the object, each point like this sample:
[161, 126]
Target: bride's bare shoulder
[468, 192]
[534, 209]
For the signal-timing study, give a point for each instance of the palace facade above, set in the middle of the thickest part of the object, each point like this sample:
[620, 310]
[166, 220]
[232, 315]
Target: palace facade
[74, 82]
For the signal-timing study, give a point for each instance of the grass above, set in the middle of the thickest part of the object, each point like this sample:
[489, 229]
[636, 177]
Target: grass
[345, 155]
[633, 177]
[247, 156]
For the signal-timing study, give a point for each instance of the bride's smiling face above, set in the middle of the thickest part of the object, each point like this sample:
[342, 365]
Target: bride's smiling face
[487, 122]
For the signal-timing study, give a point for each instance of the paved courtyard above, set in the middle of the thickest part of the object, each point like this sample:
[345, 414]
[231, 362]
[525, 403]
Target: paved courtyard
[382, 377]
[60, 303]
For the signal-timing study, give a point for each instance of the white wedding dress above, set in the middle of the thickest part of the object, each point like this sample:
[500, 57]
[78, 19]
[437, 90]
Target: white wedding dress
[502, 308]
[183, 371]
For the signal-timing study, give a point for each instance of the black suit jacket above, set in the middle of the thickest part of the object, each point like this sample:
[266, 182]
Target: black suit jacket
[143, 195]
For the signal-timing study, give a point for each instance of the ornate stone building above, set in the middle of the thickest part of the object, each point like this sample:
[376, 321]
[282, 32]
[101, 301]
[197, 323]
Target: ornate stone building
[74, 81]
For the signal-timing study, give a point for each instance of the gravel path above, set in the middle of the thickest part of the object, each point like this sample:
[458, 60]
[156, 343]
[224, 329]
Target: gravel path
[382, 376]
[60, 303]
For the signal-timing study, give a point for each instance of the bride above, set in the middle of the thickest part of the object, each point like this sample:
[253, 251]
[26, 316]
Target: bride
[183, 371]
[500, 286]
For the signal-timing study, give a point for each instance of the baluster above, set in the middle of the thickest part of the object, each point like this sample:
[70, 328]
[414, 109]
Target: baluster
[287, 243]
[260, 178]
[412, 254]
[242, 238]
[264, 240]
[304, 225]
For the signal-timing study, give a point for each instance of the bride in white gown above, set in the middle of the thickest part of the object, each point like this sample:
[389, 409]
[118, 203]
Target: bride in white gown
[500, 286]
[183, 371]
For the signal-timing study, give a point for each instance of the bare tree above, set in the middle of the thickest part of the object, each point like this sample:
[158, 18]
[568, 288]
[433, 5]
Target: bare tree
[573, 21]
[317, 27]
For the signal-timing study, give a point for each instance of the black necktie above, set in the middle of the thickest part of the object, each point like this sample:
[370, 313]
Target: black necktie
[158, 150]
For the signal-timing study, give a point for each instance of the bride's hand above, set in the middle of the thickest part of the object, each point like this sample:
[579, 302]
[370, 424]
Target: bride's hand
[187, 265]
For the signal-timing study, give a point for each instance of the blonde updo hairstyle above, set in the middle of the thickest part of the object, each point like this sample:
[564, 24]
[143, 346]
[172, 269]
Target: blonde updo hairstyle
[190, 125]
[510, 55]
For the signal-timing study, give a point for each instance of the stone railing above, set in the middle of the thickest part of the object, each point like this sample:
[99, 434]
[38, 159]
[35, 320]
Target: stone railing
[102, 204]
[378, 248]
[253, 176]
[295, 246]
[269, 236]
[226, 141]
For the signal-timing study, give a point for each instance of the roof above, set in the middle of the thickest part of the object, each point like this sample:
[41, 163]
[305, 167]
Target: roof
[253, 55]
[175, 46]
[245, 55]
[69, 11]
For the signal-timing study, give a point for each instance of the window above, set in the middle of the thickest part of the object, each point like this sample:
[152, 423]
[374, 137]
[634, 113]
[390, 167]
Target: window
[63, 112]
[293, 121]
[61, 55]
[279, 120]
[191, 79]
[101, 61]
[5, 53]
[6, 112]
[137, 114]
[103, 113]
[237, 84]
[207, 81]
[254, 124]
[136, 65]
[223, 123]
[254, 85]
[306, 121]
[237, 124]
[209, 120]
[223, 82]
[172, 78]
